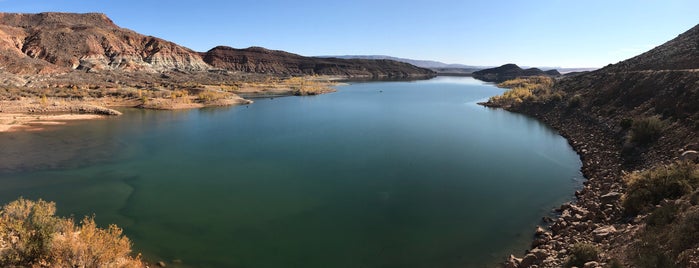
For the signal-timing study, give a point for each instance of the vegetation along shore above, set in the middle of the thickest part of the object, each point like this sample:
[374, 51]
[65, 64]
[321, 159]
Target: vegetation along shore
[634, 126]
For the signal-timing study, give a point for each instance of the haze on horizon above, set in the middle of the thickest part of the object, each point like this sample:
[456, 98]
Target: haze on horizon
[474, 32]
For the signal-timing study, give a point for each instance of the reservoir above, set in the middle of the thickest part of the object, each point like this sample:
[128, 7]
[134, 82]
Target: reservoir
[377, 174]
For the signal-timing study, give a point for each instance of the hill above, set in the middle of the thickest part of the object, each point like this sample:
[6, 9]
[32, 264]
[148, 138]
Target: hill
[261, 60]
[58, 42]
[510, 71]
[630, 122]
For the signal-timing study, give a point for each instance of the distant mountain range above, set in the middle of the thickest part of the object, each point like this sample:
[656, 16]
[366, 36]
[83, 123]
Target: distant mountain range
[419, 63]
[449, 68]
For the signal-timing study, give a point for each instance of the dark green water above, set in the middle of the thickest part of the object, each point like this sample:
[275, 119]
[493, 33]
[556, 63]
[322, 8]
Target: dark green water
[386, 174]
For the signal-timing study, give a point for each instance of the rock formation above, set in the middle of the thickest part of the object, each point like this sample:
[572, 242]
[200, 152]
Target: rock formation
[261, 60]
[59, 42]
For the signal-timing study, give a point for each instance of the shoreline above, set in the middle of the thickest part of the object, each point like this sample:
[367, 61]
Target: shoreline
[595, 215]
[28, 114]
[10, 122]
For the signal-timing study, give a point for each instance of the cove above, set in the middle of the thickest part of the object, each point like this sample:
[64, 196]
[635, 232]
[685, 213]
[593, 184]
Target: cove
[378, 174]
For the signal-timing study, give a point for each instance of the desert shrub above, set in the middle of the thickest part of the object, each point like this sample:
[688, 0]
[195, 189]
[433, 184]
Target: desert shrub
[646, 130]
[525, 89]
[673, 243]
[626, 123]
[685, 234]
[663, 215]
[556, 96]
[575, 101]
[648, 188]
[89, 246]
[208, 96]
[32, 236]
[26, 227]
[647, 253]
[581, 253]
[614, 263]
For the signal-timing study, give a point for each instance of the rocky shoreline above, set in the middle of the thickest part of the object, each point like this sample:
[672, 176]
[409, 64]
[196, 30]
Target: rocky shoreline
[595, 216]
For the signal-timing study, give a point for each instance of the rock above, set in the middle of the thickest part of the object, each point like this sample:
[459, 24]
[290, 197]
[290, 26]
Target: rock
[528, 261]
[547, 219]
[538, 242]
[591, 264]
[690, 155]
[512, 262]
[610, 197]
[603, 232]
[539, 253]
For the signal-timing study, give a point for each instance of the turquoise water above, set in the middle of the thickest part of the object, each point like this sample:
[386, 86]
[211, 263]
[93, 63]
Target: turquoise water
[384, 174]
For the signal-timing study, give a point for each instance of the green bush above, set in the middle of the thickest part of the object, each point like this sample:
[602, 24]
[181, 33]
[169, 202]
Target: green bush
[581, 253]
[647, 188]
[646, 130]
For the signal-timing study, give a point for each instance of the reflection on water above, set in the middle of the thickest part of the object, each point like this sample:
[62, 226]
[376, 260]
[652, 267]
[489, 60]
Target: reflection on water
[384, 174]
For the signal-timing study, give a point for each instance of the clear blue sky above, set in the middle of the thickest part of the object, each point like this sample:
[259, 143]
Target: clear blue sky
[567, 33]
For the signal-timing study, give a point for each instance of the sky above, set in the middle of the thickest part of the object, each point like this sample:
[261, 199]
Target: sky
[556, 33]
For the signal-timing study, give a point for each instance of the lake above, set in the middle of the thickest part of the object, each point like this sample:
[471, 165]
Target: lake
[378, 174]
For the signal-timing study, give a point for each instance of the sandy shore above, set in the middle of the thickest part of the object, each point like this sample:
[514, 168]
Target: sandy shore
[10, 122]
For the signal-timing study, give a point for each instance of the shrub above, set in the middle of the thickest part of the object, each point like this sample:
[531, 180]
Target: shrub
[685, 234]
[89, 246]
[646, 130]
[33, 236]
[626, 123]
[663, 215]
[648, 188]
[575, 101]
[26, 227]
[614, 263]
[209, 96]
[581, 253]
[525, 89]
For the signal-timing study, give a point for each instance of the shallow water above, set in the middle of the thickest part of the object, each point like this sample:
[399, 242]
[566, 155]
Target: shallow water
[384, 174]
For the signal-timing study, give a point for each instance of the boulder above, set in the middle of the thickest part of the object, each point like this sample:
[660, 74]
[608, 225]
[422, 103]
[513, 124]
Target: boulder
[528, 261]
[610, 197]
[512, 262]
[690, 155]
[603, 232]
[540, 253]
[591, 264]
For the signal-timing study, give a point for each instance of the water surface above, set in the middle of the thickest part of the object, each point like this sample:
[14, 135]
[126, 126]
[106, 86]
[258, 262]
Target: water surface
[384, 174]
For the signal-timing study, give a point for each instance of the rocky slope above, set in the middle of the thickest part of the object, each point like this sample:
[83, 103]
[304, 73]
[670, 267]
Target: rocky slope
[510, 71]
[597, 114]
[261, 60]
[57, 42]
